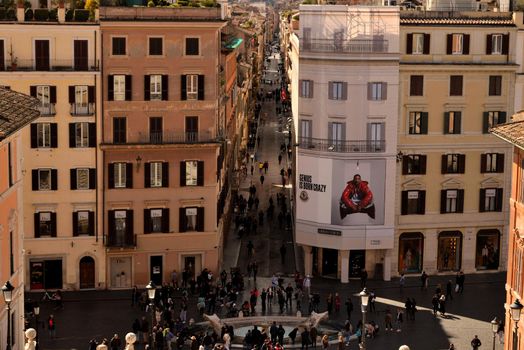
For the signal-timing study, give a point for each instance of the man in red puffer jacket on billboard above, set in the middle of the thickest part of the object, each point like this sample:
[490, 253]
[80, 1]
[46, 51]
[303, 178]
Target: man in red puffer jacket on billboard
[357, 198]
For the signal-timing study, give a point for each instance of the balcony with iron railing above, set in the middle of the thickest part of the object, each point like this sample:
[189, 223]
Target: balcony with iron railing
[357, 46]
[342, 146]
[120, 241]
[78, 109]
[71, 65]
[47, 109]
[167, 138]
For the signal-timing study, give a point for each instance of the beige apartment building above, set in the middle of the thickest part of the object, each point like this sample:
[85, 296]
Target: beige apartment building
[457, 78]
[58, 63]
[347, 89]
[161, 154]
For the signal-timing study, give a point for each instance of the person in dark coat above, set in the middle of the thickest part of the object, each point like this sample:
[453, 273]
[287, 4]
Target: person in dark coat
[281, 333]
[313, 337]
[273, 331]
[305, 339]
[293, 335]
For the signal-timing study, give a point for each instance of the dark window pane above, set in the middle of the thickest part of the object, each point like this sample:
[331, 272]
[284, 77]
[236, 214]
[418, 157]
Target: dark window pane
[416, 85]
[155, 46]
[192, 46]
[119, 46]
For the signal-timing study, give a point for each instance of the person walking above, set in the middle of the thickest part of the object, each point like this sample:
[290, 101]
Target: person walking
[279, 158]
[115, 342]
[261, 179]
[273, 332]
[449, 289]
[313, 337]
[263, 297]
[462, 279]
[337, 303]
[266, 166]
[252, 169]
[349, 307]
[51, 326]
[388, 320]
[329, 302]
[400, 319]
[442, 305]
[475, 343]
[423, 281]
[402, 282]
[363, 278]
[305, 339]
[325, 342]
[283, 251]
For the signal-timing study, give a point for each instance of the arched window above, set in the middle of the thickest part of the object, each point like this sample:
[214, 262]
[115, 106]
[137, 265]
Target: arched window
[487, 252]
[410, 252]
[449, 251]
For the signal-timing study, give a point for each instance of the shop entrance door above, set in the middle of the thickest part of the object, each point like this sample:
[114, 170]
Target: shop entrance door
[329, 262]
[156, 269]
[357, 262]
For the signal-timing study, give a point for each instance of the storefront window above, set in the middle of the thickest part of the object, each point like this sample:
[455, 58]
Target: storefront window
[487, 252]
[410, 252]
[449, 251]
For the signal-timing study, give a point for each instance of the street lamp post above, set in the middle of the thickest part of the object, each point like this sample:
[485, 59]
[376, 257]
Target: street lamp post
[494, 329]
[364, 299]
[36, 311]
[7, 292]
[151, 290]
[515, 310]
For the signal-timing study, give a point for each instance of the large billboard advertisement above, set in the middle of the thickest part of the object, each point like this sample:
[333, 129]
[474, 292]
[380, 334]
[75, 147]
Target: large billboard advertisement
[341, 192]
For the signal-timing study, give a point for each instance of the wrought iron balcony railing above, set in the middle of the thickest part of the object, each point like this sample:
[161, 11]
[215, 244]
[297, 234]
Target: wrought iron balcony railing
[345, 46]
[120, 241]
[80, 110]
[343, 146]
[70, 65]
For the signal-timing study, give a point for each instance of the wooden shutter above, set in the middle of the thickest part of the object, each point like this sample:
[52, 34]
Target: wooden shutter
[311, 89]
[72, 136]
[498, 199]
[300, 89]
[34, 135]
[409, 44]
[92, 134]
[147, 221]
[91, 223]
[404, 203]
[200, 219]
[457, 122]
[91, 94]
[460, 201]
[92, 179]
[449, 44]
[421, 202]
[165, 174]
[201, 87]
[485, 122]
[482, 199]
[34, 179]
[384, 87]
[443, 197]
[72, 179]
[54, 135]
[147, 175]
[483, 163]
[111, 225]
[182, 173]
[52, 94]
[53, 224]
[489, 43]
[465, 44]
[54, 179]
[505, 44]
[111, 175]
[75, 224]
[32, 91]
[444, 164]
[183, 87]
[182, 220]
[500, 162]
[200, 173]
[129, 175]
[344, 91]
[446, 122]
[370, 91]
[330, 90]
[36, 217]
[423, 122]
[330, 131]
[165, 220]
[461, 163]
[422, 166]
[502, 117]
[405, 164]
[130, 231]
[165, 87]
[147, 87]
[427, 44]
[129, 88]
[72, 94]
[110, 88]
